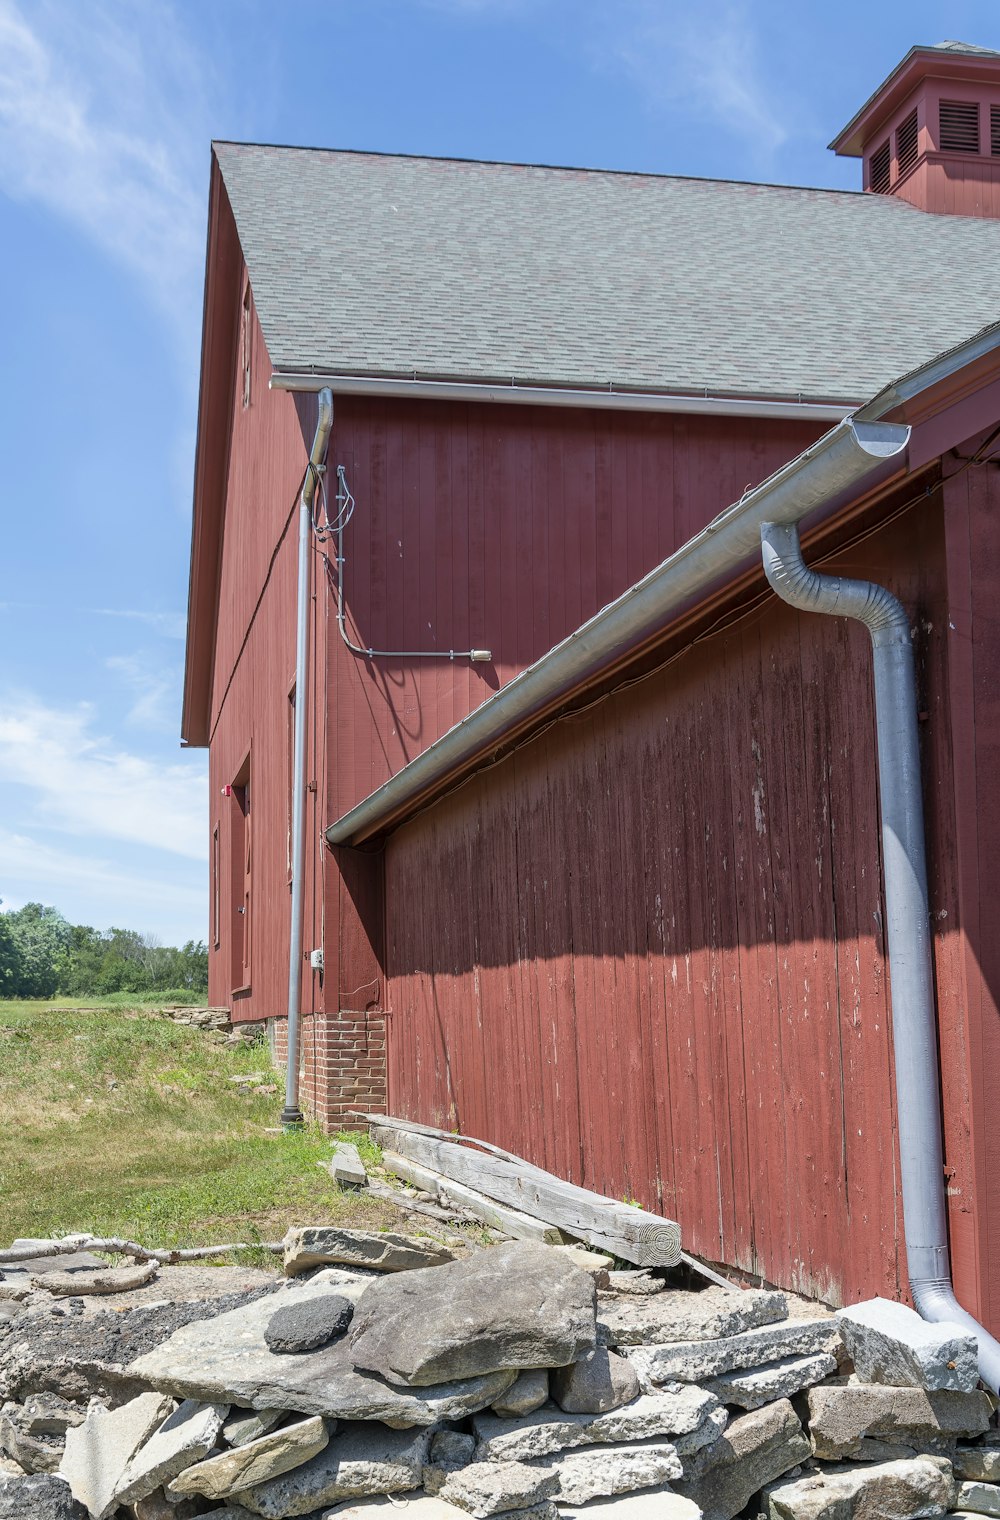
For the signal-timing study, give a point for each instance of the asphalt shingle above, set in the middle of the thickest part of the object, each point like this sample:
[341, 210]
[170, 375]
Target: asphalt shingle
[443, 269]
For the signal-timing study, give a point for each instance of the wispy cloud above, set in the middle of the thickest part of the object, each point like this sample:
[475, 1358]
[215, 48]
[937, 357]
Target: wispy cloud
[80, 781]
[155, 691]
[103, 120]
[93, 889]
[707, 57]
[172, 625]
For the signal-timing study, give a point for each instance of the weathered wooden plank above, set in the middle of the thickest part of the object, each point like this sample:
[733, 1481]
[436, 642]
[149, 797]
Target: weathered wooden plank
[644, 1239]
[510, 1221]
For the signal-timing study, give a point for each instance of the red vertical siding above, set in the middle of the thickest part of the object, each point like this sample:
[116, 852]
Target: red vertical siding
[670, 978]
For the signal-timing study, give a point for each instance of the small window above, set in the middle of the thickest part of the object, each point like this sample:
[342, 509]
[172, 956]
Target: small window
[995, 131]
[959, 126]
[216, 865]
[246, 343]
[906, 143]
[878, 169]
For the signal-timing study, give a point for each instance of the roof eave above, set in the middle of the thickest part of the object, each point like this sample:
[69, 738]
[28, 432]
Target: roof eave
[849, 143]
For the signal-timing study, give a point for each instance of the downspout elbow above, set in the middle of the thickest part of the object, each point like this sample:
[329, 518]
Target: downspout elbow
[914, 1017]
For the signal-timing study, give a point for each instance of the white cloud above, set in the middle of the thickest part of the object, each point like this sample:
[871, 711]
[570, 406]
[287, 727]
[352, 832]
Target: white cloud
[94, 890]
[156, 703]
[103, 120]
[80, 781]
[705, 56]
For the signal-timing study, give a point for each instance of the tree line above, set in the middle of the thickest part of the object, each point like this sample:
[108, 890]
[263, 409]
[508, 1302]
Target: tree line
[42, 955]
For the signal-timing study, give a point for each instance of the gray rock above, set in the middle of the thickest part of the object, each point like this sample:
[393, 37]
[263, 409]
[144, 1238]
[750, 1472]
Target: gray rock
[108, 1280]
[515, 1306]
[673, 1413]
[226, 1358]
[640, 1282]
[308, 1325]
[775, 1380]
[705, 1434]
[245, 1425]
[365, 1459]
[98, 1451]
[647, 1504]
[595, 1263]
[43, 1497]
[890, 1343]
[257, 1462]
[977, 1498]
[156, 1506]
[73, 1261]
[842, 1418]
[696, 1361]
[755, 1449]
[321, 1245]
[680, 1315]
[451, 1449]
[493, 1488]
[185, 1437]
[977, 1464]
[32, 1453]
[45, 1414]
[600, 1471]
[599, 1381]
[346, 1166]
[528, 1393]
[921, 1486]
[82, 1357]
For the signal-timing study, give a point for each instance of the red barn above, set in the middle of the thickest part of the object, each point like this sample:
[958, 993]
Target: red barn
[605, 848]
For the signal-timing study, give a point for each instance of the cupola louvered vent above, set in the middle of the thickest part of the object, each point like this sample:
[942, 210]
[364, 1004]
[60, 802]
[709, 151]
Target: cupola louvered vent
[995, 131]
[878, 170]
[906, 143]
[959, 126]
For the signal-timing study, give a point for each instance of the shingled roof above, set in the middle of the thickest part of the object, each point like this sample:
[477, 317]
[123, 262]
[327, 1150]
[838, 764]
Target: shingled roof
[443, 269]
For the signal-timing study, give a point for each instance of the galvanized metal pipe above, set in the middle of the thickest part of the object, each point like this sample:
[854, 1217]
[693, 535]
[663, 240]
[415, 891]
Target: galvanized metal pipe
[291, 1113]
[914, 1022]
[842, 460]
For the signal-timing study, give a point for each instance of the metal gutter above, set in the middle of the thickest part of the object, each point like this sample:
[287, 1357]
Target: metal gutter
[567, 396]
[911, 974]
[291, 1113]
[844, 459]
[940, 368]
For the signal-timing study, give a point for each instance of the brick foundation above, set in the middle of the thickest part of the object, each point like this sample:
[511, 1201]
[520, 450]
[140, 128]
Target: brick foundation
[342, 1064]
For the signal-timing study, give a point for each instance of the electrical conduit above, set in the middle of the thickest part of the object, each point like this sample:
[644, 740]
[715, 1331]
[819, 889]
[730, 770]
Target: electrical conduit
[918, 1098]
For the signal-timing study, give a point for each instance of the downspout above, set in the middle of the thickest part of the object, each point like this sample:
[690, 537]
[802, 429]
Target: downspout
[914, 1024]
[291, 1113]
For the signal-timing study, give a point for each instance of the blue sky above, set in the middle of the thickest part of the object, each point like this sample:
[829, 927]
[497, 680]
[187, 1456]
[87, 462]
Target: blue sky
[106, 115]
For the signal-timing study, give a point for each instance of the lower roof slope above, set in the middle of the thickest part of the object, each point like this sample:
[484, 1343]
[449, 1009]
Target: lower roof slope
[438, 269]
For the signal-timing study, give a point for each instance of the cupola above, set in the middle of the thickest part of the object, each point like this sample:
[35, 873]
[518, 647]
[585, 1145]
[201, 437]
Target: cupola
[930, 134]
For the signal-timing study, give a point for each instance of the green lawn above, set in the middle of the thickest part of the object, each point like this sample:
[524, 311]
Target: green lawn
[118, 1123]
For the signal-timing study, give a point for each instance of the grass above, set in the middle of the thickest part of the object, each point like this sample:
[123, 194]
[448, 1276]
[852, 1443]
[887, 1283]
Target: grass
[117, 1123]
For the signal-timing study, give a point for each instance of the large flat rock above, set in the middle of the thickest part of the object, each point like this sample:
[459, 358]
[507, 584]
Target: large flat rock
[365, 1459]
[920, 1487]
[325, 1245]
[681, 1315]
[516, 1306]
[81, 1356]
[186, 1436]
[674, 1413]
[226, 1358]
[599, 1472]
[890, 1343]
[774, 1380]
[98, 1451]
[255, 1462]
[755, 1449]
[695, 1361]
[843, 1420]
[660, 1503]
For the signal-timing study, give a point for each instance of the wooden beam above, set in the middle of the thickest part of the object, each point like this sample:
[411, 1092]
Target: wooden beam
[620, 1230]
[508, 1221]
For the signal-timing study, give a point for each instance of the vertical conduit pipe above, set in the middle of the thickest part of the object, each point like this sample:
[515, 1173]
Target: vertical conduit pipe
[914, 1023]
[291, 1114]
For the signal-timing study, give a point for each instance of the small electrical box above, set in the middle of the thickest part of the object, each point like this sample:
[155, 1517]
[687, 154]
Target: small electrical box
[316, 959]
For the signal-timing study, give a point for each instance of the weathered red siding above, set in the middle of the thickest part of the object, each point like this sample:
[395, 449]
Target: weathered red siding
[646, 950]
